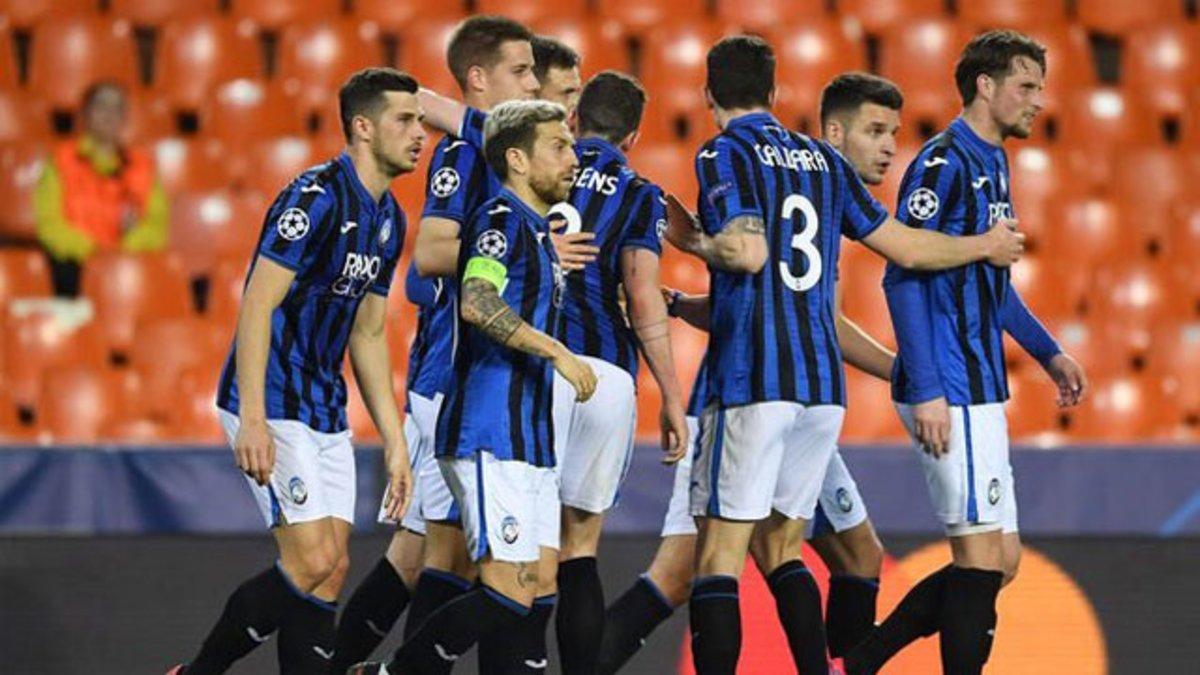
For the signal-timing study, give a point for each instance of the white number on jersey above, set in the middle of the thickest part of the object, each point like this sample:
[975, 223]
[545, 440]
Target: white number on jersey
[802, 242]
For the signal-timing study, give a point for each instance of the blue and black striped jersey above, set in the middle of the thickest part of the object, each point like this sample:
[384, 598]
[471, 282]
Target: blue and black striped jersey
[341, 244]
[772, 334]
[501, 401]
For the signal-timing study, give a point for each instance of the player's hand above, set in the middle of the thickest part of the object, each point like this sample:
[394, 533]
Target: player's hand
[932, 420]
[673, 423]
[1005, 243]
[683, 230]
[1070, 378]
[575, 249]
[255, 450]
[400, 481]
[578, 373]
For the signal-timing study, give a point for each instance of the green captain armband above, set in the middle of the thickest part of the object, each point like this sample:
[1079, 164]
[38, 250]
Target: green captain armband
[488, 269]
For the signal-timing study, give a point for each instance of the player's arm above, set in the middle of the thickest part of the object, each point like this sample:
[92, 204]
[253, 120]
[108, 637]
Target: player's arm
[919, 249]
[1033, 337]
[442, 112]
[740, 246]
[648, 317]
[861, 350]
[482, 307]
[436, 252]
[693, 309]
[371, 361]
[908, 301]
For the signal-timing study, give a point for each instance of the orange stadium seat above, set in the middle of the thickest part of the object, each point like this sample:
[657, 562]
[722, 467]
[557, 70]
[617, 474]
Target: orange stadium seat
[192, 164]
[241, 111]
[1049, 287]
[639, 16]
[77, 404]
[1140, 293]
[69, 54]
[149, 118]
[860, 281]
[1175, 360]
[276, 14]
[670, 166]
[1123, 410]
[1069, 65]
[870, 417]
[12, 429]
[673, 71]
[315, 59]
[1102, 347]
[877, 16]
[275, 162]
[601, 45]
[1087, 231]
[210, 227]
[170, 347]
[9, 77]
[1118, 17]
[1031, 408]
[22, 117]
[1162, 64]
[34, 342]
[423, 54]
[157, 12]
[808, 55]
[25, 13]
[1020, 14]
[1039, 179]
[396, 15]
[919, 55]
[24, 273]
[129, 288]
[1099, 118]
[765, 15]
[196, 55]
[1147, 182]
[531, 11]
[1184, 238]
[20, 167]
[197, 419]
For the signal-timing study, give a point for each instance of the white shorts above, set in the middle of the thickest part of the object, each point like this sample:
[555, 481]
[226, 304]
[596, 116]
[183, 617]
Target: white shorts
[840, 506]
[419, 427]
[678, 520]
[761, 457]
[593, 440]
[509, 508]
[971, 486]
[313, 476]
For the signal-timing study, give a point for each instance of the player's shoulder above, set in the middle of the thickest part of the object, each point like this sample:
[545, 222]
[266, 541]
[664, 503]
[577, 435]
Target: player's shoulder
[451, 149]
[940, 151]
[718, 145]
[315, 187]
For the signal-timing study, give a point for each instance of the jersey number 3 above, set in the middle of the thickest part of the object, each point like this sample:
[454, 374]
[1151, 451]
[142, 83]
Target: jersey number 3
[802, 242]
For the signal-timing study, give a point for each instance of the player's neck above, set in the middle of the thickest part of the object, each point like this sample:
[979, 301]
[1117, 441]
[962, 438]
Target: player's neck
[528, 195]
[726, 115]
[369, 174]
[983, 124]
[477, 100]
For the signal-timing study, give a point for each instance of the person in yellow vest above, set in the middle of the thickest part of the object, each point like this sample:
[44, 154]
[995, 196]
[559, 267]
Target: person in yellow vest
[98, 194]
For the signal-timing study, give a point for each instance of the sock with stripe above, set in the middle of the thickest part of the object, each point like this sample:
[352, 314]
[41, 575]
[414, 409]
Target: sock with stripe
[580, 620]
[629, 621]
[454, 628]
[917, 616]
[369, 615]
[850, 611]
[716, 625]
[434, 589]
[798, 603]
[252, 613]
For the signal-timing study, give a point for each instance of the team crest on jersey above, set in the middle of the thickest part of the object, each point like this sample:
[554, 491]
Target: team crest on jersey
[660, 228]
[510, 529]
[445, 182]
[385, 232]
[292, 224]
[994, 491]
[492, 244]
[297, 490]
[923, 204]
[844, 501]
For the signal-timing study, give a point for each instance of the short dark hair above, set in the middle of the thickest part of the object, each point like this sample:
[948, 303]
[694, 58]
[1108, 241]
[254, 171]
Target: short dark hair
[611, 106]
[551, 53]
[741, 72]
[476, 42]
[96, 88]
[362, 94]
[846, 92]
[992, 54]
[513, 124]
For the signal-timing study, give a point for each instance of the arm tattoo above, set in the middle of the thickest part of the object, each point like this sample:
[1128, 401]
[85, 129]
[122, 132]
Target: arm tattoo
[747, 225]
[499, 321]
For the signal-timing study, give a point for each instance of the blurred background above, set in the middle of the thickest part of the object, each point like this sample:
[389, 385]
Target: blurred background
[123, 518]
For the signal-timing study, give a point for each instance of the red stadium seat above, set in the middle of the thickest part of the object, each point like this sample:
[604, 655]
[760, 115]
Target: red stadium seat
[639, 16]
[601, 45]
[25, 13]
[276, 14]
[34, 342]
[423, 54]
[77, 404]
[129, 288]
[24, 273]
[69, 54]
[1162, 64]
[192, 164]
[20, 168]
[532, 11]
[1118, 17]
[210, 227]
[196, 55]
[673, 70]
[396, 15]
[244, 110]
[768, 14]
[919, 55]
[877, 16]
[315, 59]
[1021, 14]
[22, 117]
[808, 55]
[168, 347]
[155, 13]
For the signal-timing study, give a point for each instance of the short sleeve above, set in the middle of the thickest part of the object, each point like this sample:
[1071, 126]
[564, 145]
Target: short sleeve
[862, 214]
[296, 219]
[394, 245]
[648, 221]
[420, 291]
[491, 244]
[726, 185]
[930, 190]
[472, 127]
[456, 181]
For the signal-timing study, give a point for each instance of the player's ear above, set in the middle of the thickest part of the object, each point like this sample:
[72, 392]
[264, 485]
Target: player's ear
[476, 78]
[708, 99]
[629, 141]
[771, 98]
[361, 127]
[984, 86]
[834, 132]
[518, 162]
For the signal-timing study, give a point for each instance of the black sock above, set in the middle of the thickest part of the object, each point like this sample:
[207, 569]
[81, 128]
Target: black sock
[716, 625]
[521, 649]
[580, 620]
[453, 629]
[306, 636]
[251, 615]
[629, 621]
[850, 611]
[968, 619]
[434, 589]
[798, 602]
[369, 615]
[916, 616]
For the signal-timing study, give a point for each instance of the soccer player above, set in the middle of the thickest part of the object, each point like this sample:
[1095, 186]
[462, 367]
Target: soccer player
[950, 382]
[556, 67]
[773, 205]
[495, 437]
[318, 284]
[860, 115]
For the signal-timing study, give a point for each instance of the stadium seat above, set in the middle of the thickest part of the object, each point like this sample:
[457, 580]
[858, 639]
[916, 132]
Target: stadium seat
[870, 417]
[639, 16]
[1039, 179]
[20, 167]
[24, 273]
[1147, 182]
[245, 110]
[423, 53]
[210, 227]
[1101, 117]
[155, 13]
[78, 403]
[34, 342]
[196, 55]
[315, 59]
[1162, 64]
[1088, 231]
[225, 291]
[1118, 17]
[919, 55]
[12, 428]
[192, 164]
[276, 14]
[1184, 238]
[601, 45]
[860, 280]
[877, 16]
[197, 419]
[669, 165]
[673, 71]
[765, 15]
[22, 117]
[1069, 66]
[396, 15]
[69, 54]
[1031, 408]
[1122, 410]
[273, 163]
[808, 55]
[9, 76]
[1140, 293]
[26, 13]
[1048, 287]
[1104, 348]
[1019, 14]
[531, 11]
[1175, 360]
[126, 289]
[171, 346]
[149, 118]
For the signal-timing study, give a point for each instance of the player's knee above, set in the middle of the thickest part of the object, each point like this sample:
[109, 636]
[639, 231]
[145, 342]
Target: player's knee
[867, 557]
[317, 564]
[1012, 565]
